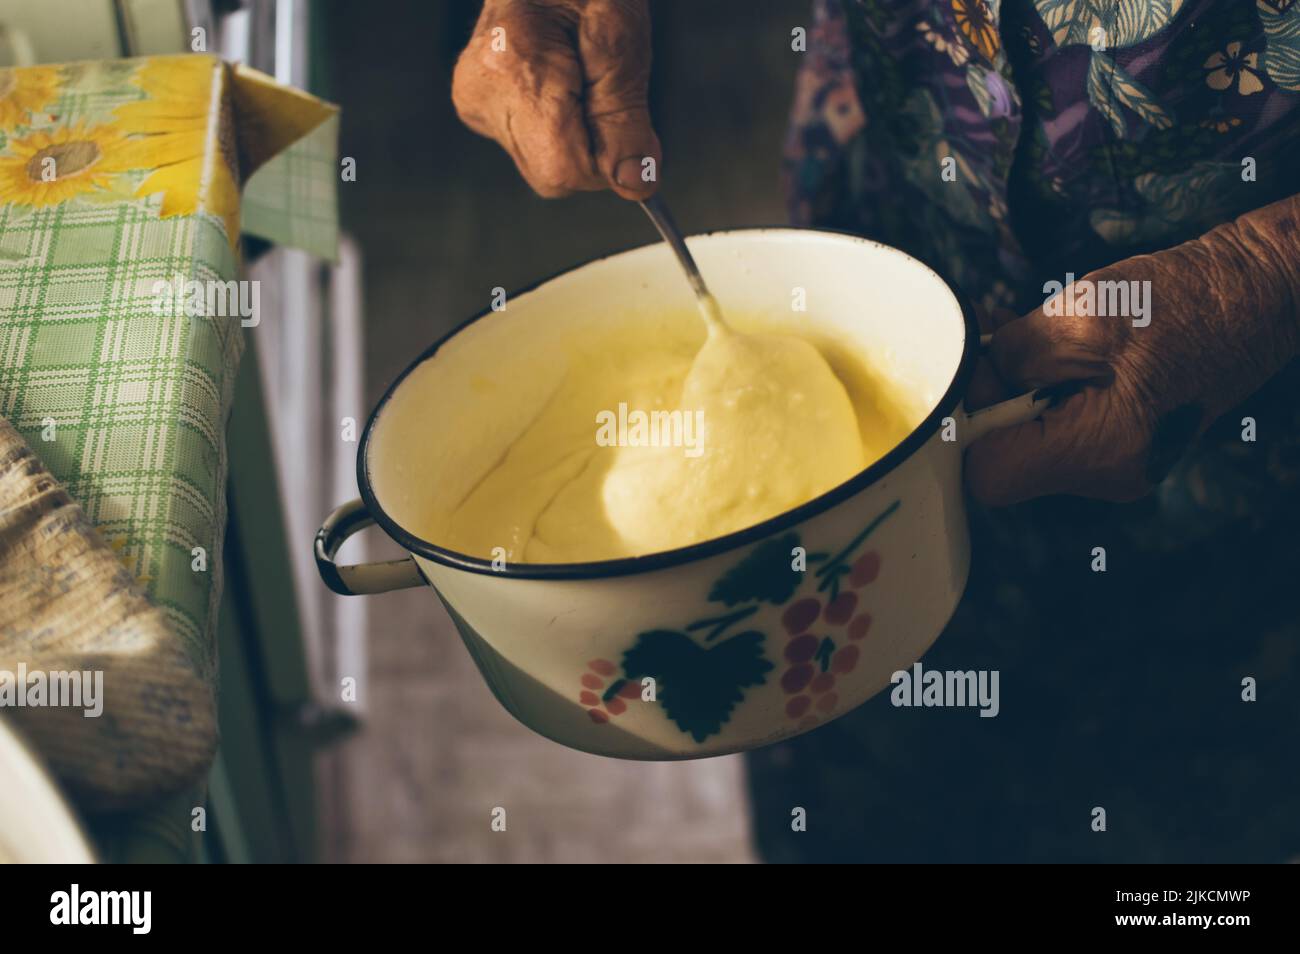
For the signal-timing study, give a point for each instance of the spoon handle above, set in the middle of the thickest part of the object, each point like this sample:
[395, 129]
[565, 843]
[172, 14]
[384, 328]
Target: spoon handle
[663, 220]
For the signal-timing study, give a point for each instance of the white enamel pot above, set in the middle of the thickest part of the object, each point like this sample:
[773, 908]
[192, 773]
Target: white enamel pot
[36, 825]
[721, 646]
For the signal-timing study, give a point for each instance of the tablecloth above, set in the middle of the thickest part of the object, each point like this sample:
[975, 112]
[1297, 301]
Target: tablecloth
[119, 184]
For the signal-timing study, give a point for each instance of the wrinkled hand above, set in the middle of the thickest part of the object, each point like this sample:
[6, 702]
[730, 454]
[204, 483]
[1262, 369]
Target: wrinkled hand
[1223, 320]
[566, 96]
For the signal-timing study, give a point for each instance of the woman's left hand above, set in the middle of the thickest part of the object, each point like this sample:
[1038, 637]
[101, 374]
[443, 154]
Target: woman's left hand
[1218, 318]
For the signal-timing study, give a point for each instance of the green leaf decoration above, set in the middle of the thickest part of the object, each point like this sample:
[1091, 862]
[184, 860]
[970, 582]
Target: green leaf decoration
[614, 689]
[957, 199]
[717, 625]
[882, 81]
[825, 650]
[1071, 20]
[837, 566]
[1281, 22]
[1166, 151]
[698, 687]
[1043, 98]
[1138, 20]
[1137, 97]
[1115, 226]
[975, 83]
[1176, 206]
[1110, 87]
[1125, 22]
[765, 574]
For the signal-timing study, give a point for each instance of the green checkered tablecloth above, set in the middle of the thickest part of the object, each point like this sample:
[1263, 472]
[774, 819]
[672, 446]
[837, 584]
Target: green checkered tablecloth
[126, 407]
[126, 402]
[293, 199]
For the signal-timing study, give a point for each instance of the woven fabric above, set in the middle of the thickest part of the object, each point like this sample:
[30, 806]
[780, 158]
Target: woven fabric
[292, 200]
[72, 611]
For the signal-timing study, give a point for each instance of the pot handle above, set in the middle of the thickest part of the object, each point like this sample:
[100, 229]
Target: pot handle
[1016, 410]
[358, 579]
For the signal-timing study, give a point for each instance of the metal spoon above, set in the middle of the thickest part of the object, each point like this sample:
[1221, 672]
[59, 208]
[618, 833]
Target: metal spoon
[657, 209]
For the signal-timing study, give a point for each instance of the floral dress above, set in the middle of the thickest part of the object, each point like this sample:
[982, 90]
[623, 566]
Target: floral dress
[1079, 133]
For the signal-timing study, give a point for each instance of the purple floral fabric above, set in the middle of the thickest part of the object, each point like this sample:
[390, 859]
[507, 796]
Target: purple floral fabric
[1076, 132]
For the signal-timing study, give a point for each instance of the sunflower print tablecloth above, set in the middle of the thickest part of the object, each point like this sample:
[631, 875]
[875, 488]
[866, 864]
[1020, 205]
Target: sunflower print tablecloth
[119, 180]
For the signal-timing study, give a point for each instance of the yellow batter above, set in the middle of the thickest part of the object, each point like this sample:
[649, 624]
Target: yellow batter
[778, 427]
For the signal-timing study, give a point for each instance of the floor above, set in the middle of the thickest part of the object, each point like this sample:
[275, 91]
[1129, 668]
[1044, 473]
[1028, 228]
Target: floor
[441, 219]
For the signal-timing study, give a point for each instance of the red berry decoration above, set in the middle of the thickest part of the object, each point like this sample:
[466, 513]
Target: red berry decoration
[801, 615]
[865, 569]
[592, 697]
[844, 660]
[801, 648]
[797, 706]
[823, 682]
[841, 608]
[816, 660]
[858, 628]
[602, 666]
[796, 678]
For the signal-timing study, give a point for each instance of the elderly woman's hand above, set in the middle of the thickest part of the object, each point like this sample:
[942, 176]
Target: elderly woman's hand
[561, 85]
[1222, 320]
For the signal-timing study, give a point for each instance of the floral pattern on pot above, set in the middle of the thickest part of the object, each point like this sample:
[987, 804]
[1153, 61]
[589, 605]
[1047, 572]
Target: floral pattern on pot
[701, 671]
